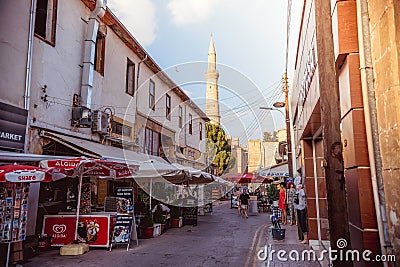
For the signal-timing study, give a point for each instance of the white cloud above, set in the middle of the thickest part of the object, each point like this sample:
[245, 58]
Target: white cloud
[190, 11]
[138, 17]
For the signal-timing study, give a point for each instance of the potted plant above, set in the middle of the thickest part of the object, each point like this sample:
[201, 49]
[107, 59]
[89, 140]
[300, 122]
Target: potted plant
[146, 223]
[176, 217]
[159, 218]
[272, 193]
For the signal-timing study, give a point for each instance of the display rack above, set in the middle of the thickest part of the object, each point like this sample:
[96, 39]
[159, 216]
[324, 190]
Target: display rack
[13, 213]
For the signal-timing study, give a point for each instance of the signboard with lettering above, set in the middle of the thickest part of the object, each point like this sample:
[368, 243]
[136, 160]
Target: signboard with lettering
[125, 200]
[13, 122]
[125, 226]
[122, 229]
[25, 176]
[190, 215]
[92, 229]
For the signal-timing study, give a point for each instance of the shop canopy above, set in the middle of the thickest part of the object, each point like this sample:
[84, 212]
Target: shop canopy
[273, 172]
[26, 174]
[244, 178]
[150, 166]
[90, 167]
[195, 176]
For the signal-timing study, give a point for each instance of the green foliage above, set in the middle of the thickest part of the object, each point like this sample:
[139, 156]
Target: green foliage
[146, 221]
[159, 215]
[175, 212]
[272, 192]
[218, 149]
[271, 137]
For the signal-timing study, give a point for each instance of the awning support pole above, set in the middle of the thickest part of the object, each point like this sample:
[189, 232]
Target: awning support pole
[151, 192]
[78, 207]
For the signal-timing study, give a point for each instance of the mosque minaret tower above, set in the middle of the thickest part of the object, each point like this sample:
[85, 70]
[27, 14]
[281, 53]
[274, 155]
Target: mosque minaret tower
[212, 104]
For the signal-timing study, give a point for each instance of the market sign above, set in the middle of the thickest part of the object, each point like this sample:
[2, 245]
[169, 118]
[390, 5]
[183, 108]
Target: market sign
[13, 122]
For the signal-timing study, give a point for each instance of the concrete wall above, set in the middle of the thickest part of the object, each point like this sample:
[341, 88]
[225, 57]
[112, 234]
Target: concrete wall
[254, 155]
[58, 67]
[268, 150]
[14, 28]
[239, 153]
[385, 40]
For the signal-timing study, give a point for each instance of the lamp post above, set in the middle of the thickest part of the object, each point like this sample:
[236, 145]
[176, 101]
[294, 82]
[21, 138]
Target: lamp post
[288, 135]
[280, 111]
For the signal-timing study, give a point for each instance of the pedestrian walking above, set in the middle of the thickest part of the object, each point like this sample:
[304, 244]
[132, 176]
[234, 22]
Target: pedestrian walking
[237, 198]
[282, 202]
[244, 201]
[291, 192]
[301, 207]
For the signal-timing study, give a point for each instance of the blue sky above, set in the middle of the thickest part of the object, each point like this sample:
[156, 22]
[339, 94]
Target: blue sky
[250, 41]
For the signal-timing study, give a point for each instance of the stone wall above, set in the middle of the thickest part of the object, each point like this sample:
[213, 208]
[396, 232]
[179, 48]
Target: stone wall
[385, 40]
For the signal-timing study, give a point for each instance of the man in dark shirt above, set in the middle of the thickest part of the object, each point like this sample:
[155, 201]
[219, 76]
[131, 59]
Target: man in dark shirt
[244, 201]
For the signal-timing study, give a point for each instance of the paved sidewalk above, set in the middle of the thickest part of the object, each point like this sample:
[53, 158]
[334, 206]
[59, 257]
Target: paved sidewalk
[220, 239]
[290, 245]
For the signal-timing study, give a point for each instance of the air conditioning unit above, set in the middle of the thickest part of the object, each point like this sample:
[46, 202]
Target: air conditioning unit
[100, 122]
[81, 117]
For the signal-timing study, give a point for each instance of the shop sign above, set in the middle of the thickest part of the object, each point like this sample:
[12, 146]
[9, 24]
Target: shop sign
[190, 215]
[93, 230]
[25, 177]
[309, 70]
[122, 229]
[125, 200]
[13, 122]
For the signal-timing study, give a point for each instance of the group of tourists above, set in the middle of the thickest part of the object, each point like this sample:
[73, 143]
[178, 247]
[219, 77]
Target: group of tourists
[292, 203]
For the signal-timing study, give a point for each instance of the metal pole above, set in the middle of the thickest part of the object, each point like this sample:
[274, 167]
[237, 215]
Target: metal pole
[8, 253]
[288, 135]
[151, 191]
[78, 207]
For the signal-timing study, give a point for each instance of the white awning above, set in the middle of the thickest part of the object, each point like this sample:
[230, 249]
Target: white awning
[24, 157]
[149, 166]
[280, 170]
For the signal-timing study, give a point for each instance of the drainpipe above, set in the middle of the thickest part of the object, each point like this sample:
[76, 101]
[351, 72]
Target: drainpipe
[28, 74]
[371, 123]
[88, 56]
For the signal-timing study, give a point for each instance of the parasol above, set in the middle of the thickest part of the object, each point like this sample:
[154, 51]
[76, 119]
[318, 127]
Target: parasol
[25, 174]
[77, 167]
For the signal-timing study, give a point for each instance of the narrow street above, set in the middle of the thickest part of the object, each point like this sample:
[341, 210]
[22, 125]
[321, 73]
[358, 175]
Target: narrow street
[221, 239]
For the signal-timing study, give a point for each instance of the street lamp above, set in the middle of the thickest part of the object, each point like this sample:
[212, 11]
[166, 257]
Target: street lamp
[267, 108]
[288, 133]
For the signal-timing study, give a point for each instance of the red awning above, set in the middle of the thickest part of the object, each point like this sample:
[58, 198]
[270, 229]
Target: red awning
[244, 178]
[91, 167]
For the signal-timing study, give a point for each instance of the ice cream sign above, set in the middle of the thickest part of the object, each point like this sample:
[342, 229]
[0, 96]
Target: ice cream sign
[59, 230]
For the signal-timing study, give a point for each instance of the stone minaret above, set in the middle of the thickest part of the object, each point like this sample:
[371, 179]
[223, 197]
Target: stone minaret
[212, 104]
